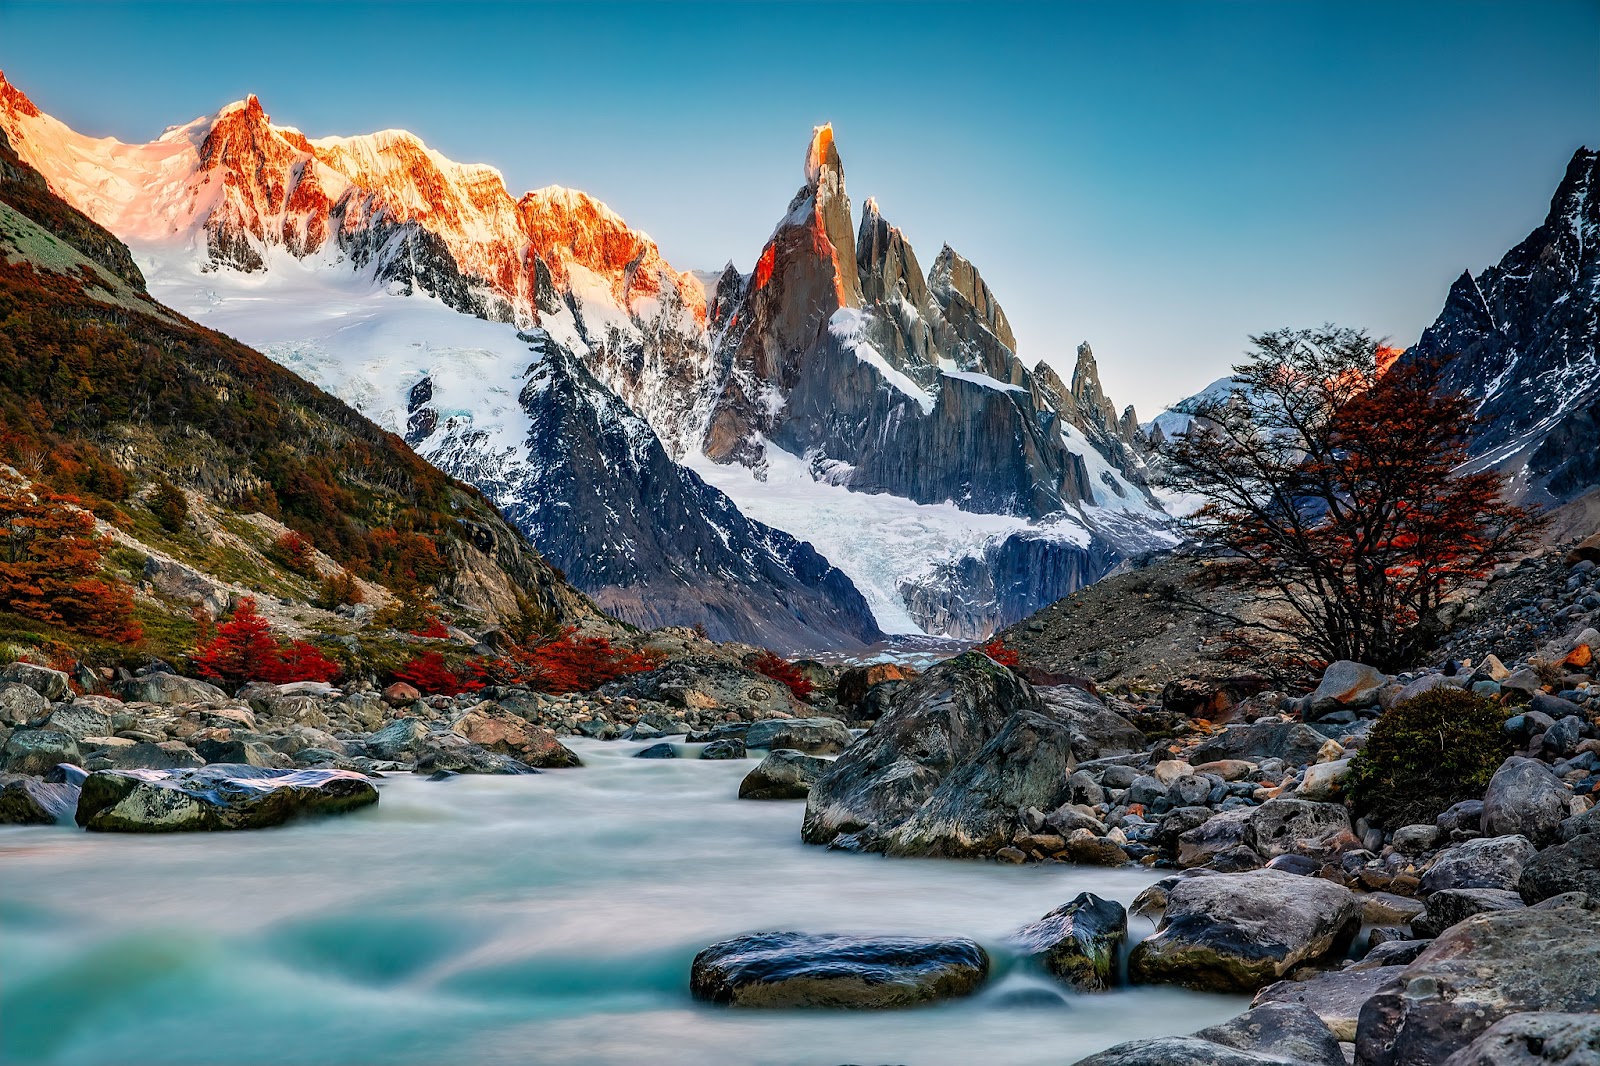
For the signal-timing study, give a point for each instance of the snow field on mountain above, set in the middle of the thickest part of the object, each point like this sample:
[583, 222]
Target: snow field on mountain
[880, 541]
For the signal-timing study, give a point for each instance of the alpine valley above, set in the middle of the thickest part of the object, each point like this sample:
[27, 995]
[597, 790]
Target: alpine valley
[832, 447]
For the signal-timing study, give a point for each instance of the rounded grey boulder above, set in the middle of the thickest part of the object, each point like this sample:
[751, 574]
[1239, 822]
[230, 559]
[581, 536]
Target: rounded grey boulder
[783, 775]
[1526, 797]
[787, 969]
[1078, 941]
[219, 796]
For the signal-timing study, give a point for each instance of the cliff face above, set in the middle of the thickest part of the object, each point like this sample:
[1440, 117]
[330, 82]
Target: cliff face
[1523, 338]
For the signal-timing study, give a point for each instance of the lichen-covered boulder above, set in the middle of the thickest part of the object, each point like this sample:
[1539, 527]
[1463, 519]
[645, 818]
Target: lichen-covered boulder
[53, 685]
[1293, 742]
[164, 688]
[20, 704]
[1525, 798]
[1570, 867]
[1241, 932]
[813, 736]
[38, 751]
[829, 970]
[1535, 1038]
[214, 797]
[1336, 996]
[1488, 862]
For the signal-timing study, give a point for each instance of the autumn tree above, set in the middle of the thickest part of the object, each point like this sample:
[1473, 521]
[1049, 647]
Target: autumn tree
[783, 671]
[244, 649]
[170, 506]
[567, 662]
[1339, 497]
[50, 558]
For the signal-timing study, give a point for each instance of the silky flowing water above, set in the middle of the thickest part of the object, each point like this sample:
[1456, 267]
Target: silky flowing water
[540, 919]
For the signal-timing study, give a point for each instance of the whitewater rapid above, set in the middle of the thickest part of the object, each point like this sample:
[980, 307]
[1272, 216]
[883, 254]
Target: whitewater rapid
[541, 919]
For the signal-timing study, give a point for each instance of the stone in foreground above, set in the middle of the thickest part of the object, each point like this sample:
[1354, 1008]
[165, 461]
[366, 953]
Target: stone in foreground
[1078, 941]
[1535, 1039]
[219, 796]
[1487, 967]
[1241, 932]
[1274, 1034]
[837, 971]
[1336, 996]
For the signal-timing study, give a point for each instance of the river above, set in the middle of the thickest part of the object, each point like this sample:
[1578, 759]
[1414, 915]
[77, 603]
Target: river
[541, 919]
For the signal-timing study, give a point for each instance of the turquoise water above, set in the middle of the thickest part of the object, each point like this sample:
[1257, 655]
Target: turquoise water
[546, 919]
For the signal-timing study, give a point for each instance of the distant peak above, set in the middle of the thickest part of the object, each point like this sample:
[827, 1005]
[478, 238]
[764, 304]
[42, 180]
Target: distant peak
[1085, 353]
[821, 153]
[14, 99]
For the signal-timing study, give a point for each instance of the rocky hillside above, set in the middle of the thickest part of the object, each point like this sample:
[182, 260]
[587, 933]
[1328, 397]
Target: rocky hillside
[198, 456]
[1523, 337]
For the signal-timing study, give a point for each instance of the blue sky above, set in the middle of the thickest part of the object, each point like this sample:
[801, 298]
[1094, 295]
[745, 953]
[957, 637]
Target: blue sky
[1160, 179]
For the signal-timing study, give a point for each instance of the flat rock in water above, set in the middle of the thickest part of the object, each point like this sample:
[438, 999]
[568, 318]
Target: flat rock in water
[783, 775]
[1273, 1034]
[1078, 941]
[212, 797]
[814, 736]
[1241, 932]
[1484, 969]
[830, 970]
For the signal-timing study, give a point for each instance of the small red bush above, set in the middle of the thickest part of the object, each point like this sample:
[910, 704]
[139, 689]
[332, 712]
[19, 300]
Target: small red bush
[431, 628]
[781, 669]
[296, 553]
[569, 663]
[428, 674]
[997, 650]
[244, 649]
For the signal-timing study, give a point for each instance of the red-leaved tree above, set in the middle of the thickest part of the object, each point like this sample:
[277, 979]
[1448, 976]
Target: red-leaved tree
[996, 649]
[50, 558]
[244, 649]
[568, 663]
[428, 673]
[784, 671]
[1338, 494]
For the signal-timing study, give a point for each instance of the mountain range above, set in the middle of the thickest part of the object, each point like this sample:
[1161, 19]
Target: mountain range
[832, 446]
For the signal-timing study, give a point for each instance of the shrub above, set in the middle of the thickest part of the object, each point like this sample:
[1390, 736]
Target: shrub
[295, 552]
[338, 590]
[997, 650]
[170, 506]
[428, 674]
[1430, 752]
[781, 669]
[569, 663]
[244, 649]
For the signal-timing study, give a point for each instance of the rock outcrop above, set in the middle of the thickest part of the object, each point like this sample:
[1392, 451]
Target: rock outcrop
[830, 970]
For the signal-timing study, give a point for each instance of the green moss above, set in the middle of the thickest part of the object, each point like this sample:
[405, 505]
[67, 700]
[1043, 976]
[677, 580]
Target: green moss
[1424, 755]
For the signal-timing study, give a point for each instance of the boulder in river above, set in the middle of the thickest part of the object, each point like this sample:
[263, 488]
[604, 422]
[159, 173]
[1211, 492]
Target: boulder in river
[724, 748]
[974, 811]
[783, 775]
[1273, 1034]
[1491, 965]
[1078, 941]
[935, 723]
[219, 796]
[26, 800]
[663, 750]
[502, 732]
[814, 736]
[1241, 932]
[789, 969]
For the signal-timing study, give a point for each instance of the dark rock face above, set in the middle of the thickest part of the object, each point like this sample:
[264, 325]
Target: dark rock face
[214, 797]
[1484, 969]
[1274, 1033]
[784, 774]
[827, 970]
[1533, 319]
[1241, 932]
[1078, 941]
[933, 725]
[601, 499]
